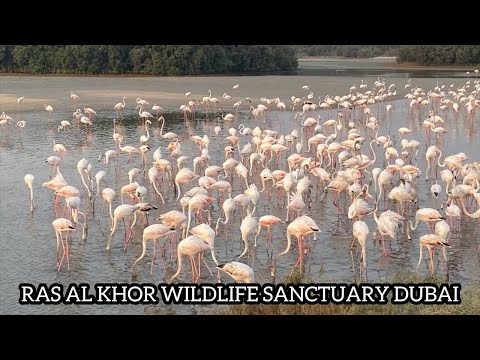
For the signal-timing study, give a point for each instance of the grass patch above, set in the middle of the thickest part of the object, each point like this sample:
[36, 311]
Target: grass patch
[470, 304]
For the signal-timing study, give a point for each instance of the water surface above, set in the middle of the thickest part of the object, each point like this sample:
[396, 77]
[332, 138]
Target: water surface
[28, 239]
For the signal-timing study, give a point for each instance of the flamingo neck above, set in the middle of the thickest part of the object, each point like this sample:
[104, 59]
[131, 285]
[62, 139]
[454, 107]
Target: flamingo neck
[179, 268]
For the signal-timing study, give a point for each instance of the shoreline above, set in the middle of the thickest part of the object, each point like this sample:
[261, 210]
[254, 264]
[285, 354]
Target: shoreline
[387, 62]
[384, 59]
[390, 62]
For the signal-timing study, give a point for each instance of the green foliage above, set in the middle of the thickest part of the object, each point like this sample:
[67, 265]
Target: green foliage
[167, 60]
[440, 54]
[420, 54]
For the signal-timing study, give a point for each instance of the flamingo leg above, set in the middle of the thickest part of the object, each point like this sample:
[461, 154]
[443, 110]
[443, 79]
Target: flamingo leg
[194, 269]
[153, 257]
[199, 264]
[430, 252]
[300, 249]
[125, 233]
[63, 254]
[57, 234]
[385, 253]
[68, 256]
[205, 262]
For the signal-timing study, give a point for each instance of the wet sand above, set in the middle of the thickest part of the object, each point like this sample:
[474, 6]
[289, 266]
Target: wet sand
[168, 92]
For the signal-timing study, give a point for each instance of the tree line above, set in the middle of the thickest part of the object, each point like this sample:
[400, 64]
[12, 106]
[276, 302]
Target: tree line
[350, 51]
[164, 60]
[418, 54]
[174, 60]
[440, 54]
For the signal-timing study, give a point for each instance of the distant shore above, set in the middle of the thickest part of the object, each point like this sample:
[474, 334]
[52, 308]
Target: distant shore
[383, 59]
[70, 75]
[390, 61]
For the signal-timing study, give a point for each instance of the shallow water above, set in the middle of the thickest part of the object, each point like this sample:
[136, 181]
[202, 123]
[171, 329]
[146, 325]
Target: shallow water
[28, 239]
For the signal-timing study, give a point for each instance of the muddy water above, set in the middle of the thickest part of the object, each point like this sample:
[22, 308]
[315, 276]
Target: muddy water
[28, 239]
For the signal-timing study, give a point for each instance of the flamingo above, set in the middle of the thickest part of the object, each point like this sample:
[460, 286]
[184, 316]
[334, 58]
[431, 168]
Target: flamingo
[191, 246]
[183, 176]
[228, 117]
[28, 179]
[82, 166]
[53, 162]
[427, 215]
[73, 204]
[359, 207]
[207, 234]
[448, 177]
[213, 171]
[49, 109]
[128, 149]
[157, 109]
[64, 124]
[143, 138]
[266, 175]
[74, 98]
[108, 195]
[430, 241]
[267, 221]
[20, 101]
[143, 114]
[142, 103]
[247, 228]
[338, 185]
[404, 131]
[387, 224]
[436, 190]
[439, 131]
[360, 233]
[86, 121]
[153, 172]
[222, 186]
[453, 211]
[240, 272]
[120, 106]
[300, 227]
[90, 112]
[432, 152]
[254, 195]
[56, 183]
[60, 226]
[295, 205]
[152, 232]
[21, 124]
[120, 213]
[197, 202]
[175, 219]
[67, 191]
[168, 135]
[228, 207]
[60, 148]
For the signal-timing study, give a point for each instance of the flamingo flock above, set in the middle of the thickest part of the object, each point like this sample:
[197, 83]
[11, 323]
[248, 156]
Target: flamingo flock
[223, 176]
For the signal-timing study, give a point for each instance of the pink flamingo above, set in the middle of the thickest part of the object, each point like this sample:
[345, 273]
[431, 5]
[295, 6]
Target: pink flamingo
[300, 227]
